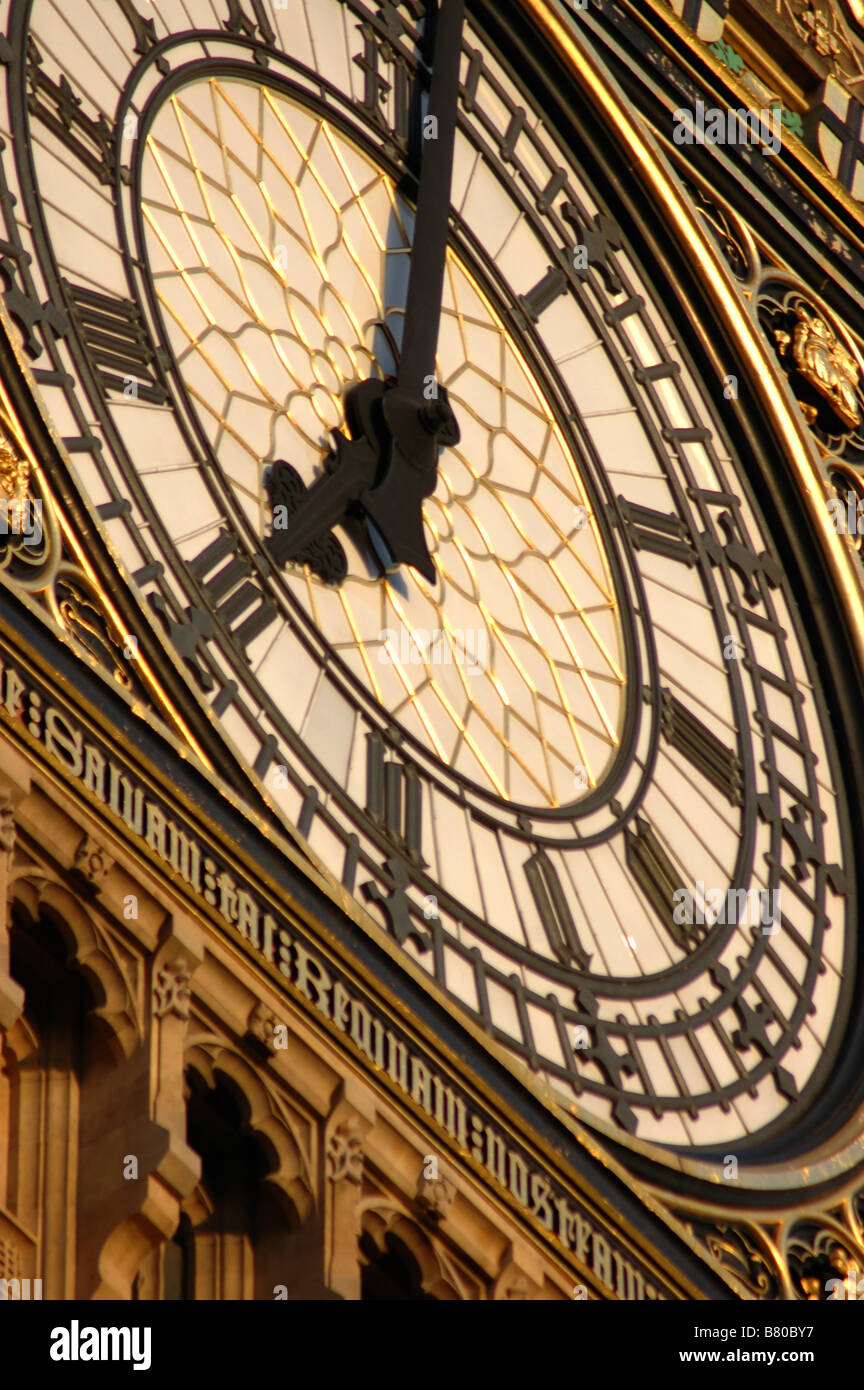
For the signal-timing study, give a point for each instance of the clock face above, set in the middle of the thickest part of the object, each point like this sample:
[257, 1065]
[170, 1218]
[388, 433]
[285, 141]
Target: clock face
[581, 776]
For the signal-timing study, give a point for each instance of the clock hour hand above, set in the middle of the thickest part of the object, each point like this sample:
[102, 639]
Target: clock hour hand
[379, 473]
[395, 504]
[350, 469]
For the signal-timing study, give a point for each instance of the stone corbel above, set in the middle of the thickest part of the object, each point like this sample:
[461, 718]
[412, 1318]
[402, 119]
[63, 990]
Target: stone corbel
[176, 960]
[520, 1276]
[14, 787]
[346, 1129]
[92, 862]
[434, 1196]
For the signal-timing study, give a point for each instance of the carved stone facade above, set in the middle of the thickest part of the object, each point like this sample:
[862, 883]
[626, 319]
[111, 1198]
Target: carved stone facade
[168, 1129]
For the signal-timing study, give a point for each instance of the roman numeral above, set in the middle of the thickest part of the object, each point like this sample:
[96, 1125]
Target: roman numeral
[554, 911]
[659, 880]
[507, 144]
[57, 107]
[544, 293]
[664, 533]
[118, 343]
[377, 88]
[394, 798]
[237, 602]
[472, 79]
[707, 753]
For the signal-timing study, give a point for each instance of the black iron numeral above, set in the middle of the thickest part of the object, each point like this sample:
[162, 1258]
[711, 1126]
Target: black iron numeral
[376, 87]
[118, 343]
[259, 28]
[237, 602]
[394, 798]
[707, 753]
[657, 877]
[554, 911]
[664, 533]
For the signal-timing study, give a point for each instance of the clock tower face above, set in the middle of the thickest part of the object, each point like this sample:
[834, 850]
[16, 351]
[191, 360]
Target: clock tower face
[578, 768]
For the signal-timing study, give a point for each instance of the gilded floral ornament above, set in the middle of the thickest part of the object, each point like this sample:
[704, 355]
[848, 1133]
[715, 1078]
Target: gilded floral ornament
[824, 363]
[818, 33]
[21, 534]
[14, 475]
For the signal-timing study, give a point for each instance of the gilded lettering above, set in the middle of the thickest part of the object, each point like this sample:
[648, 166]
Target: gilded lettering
[155, 834]
[600, 1262]
[360, 1021]
[94, 771]
[397, 1061]
[313, 980]
[129, 806]
[496, 1155]
[184, 856]
[517, 1175]
[247, 917]
[15, 689]
[478, 1148]
[61, 739]
[285, 944]
[421, 1091]
[540, 1204]
[341, 1005]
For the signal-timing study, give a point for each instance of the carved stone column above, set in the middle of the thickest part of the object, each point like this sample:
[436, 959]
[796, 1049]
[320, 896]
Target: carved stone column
[167, 1169]
[14, 787]
[347, 1126]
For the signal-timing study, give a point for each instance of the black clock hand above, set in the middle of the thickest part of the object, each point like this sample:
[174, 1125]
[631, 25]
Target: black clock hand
[389, 466]
[351, 468]
[429, 251]
[395, 504]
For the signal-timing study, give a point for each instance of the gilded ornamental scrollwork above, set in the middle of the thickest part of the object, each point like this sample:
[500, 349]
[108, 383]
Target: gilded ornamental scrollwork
[801, 1253]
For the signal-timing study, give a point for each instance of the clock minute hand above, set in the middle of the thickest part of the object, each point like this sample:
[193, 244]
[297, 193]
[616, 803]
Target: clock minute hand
[429, 251]
[389, 465]
[395, 504]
